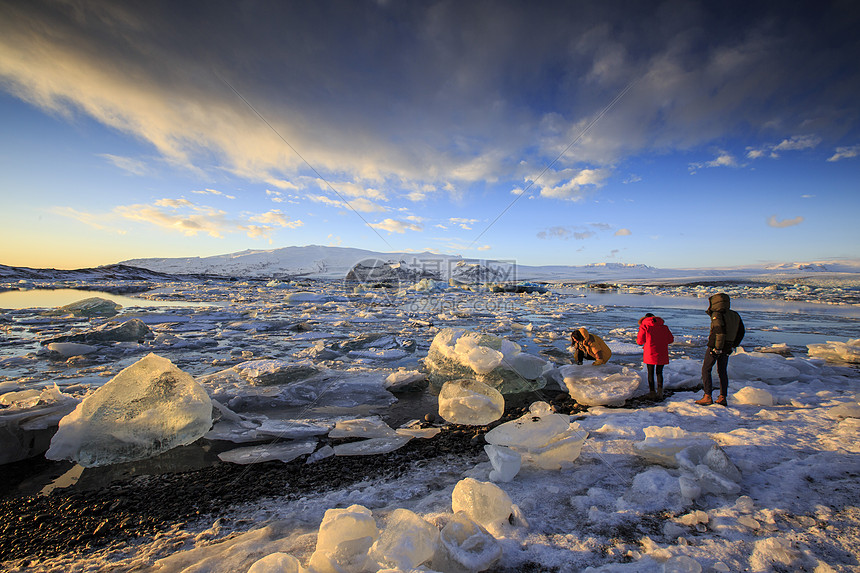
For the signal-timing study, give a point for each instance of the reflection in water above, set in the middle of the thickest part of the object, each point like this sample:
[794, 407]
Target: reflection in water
[53, 298]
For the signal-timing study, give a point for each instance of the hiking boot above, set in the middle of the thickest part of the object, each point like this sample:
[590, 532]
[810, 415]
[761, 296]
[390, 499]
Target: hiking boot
[721, 400]
[706, 400]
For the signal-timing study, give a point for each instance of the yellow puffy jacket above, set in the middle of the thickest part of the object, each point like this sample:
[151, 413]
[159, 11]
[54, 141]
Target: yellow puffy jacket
[593, 345]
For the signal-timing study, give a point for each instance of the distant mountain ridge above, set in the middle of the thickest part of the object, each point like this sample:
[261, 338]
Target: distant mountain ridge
[321, 262]
[316, 261]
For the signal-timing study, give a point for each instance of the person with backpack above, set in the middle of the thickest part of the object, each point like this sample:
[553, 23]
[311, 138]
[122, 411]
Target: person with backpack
[655, 337]
[727, 331]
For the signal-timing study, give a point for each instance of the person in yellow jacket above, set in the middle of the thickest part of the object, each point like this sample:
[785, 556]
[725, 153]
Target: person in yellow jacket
[587, 346]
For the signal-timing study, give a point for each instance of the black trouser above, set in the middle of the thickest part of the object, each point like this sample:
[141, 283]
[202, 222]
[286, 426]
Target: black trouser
[580, 355]
[651, 376]
[722, 362]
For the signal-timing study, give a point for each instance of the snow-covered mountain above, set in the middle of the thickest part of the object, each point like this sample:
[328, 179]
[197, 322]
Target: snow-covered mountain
[317, 261]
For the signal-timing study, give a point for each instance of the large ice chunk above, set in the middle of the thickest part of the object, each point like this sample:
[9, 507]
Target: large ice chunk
[707, 469]
[457, 353]
[469, 401]
[541, 438]
[753, 397]
[93, 306]
[484, 502]
[146, 409]
[344, 540]
[465, 546]
[607, 384]
[839, 352]
[406, 542]
[661, 443]
[761, 366]
[372, 446]
[132, 330]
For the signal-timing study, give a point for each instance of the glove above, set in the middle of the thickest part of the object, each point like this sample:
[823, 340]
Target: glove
[716, 351]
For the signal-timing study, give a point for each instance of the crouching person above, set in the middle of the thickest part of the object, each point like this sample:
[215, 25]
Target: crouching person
[587, 346]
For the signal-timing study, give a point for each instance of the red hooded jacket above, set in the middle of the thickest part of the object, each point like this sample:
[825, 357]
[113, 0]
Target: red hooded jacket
[656, 338]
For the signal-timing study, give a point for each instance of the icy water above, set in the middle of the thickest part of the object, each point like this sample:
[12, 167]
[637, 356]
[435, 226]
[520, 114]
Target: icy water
[357, 337]
[54, 298]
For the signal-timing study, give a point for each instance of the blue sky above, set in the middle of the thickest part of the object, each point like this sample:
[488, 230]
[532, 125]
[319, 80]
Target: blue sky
[673, 134]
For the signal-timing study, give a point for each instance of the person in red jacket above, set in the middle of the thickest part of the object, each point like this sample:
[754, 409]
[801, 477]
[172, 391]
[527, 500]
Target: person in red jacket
[655, 337]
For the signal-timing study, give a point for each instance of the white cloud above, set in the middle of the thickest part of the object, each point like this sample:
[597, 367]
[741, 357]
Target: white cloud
[845, 153]
[183, 216]
[633, 179]
[571, 188]
[723, 159]
[807, 196]
[213, 192]
[623, 233]
[396, 226]
[798, 142]
[133, 166]
[772, 222]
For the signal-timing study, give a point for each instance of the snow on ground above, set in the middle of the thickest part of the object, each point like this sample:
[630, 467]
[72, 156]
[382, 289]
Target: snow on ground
[790, 428]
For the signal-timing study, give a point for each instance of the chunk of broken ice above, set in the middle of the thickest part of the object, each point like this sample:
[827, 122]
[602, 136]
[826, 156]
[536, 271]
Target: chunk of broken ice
[834, 351]
[361, 428]
[280, 451]
[541, 437]
[148, 408]
[457, 353]
[406, 542]
[275, 372]
[372, 446]
[465, 546]
[69, 349]
[406, 381]
[753, 397]
[484, 502]
[277, 563]
[93, 306]
[344, 539]
[604, 385]
[661, 443]
[468, 401]
[505, 461]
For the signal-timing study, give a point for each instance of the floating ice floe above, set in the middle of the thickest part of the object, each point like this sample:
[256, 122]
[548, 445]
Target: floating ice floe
[541, 438]
[93, 306]
[661, 443]
[470, 402]
[839, 352]
[457, 353]
[148, 408]
[132, 330]
[604, 385]
[280, 451]
[406, 381]
[275, 372]
[29, 419]
[69, 349]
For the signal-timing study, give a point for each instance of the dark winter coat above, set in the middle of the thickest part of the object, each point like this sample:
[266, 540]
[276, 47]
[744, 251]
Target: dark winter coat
[655, 337]
[727, 328]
